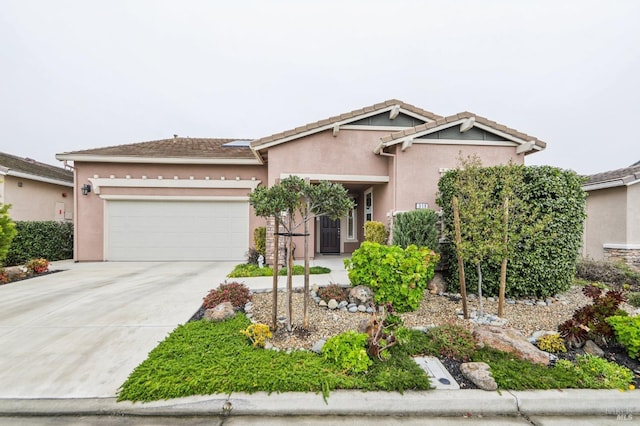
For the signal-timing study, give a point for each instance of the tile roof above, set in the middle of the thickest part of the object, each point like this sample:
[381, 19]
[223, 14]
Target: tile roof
[179, 147]
[388, 140]
[336, 118]
[617, 177]
[28, 166]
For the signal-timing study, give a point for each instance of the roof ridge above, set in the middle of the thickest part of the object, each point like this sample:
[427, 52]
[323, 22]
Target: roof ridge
[344, 116]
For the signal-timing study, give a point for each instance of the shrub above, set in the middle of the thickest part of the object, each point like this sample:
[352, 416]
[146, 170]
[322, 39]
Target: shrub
[589, 322]
[417, 227]
[37, 266]
[260, 239]
[375, 232]
[236, 293]
[3, 276]
[347, 351]
[545, 263]
[258, 334]
[299, 270]
[634, 299]
[452, 341]
[7, 231]
[597, 373]
[48, 239]
[332, 291]
[627, 331]
[551, 343]
[616, 274]
[250, 270]
[397, 276]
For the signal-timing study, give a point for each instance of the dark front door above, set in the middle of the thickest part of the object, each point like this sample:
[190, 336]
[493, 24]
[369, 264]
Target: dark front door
[329, 235]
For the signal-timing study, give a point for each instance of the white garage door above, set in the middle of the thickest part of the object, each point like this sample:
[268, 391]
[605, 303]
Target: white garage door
[177, 230]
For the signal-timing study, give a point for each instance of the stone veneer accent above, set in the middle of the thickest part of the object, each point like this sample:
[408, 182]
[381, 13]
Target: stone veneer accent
[630, 256]
[270, 245]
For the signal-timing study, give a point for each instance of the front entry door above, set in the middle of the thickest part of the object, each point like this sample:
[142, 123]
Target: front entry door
[329, 235]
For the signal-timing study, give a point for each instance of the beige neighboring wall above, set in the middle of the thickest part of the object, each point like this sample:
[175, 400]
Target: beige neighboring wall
[633, 214]
[36, 201]
[606, 220]
[89, 244]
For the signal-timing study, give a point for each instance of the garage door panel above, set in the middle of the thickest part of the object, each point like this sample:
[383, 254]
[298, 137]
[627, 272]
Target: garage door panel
[177, 230]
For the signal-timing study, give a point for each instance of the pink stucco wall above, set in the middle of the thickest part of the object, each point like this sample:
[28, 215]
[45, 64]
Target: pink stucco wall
[419, 169]
[34, 200]
[89, 242]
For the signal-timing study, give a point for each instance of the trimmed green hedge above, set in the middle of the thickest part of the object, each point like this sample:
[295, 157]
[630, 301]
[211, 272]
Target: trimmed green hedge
[544, 263]
[50, 240]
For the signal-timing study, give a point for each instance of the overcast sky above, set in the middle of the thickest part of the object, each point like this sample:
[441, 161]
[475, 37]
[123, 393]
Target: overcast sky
[84, 74]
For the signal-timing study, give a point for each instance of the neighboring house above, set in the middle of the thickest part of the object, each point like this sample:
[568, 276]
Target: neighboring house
[36, 191]
[612, 228]
[187, 198]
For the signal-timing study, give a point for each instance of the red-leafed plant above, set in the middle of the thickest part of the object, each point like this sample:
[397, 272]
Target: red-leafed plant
[589, 322]
[236, 293]
[37, 266]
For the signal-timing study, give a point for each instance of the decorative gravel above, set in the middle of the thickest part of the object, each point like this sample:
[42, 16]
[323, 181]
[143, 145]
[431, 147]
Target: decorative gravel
[434, 310]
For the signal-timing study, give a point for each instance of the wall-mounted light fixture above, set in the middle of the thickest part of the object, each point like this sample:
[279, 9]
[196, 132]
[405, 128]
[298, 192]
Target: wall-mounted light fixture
[86, 188]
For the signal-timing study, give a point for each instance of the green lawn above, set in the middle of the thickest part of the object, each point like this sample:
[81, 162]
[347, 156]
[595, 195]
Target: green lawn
[251, 270]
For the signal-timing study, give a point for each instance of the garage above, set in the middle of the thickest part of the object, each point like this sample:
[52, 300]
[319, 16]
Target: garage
[168, 230]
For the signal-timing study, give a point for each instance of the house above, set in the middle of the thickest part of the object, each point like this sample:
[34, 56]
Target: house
[612, 228]
[36, 191]
[186, 198]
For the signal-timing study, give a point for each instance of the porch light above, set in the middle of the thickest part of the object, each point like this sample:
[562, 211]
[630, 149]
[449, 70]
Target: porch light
[86, 188]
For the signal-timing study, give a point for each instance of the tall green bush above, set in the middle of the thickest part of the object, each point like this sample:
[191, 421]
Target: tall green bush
[396, 275]
[375, 232]
[545, 261]
[260, 239]
[417, 227]
[7, 231]
[48, 239]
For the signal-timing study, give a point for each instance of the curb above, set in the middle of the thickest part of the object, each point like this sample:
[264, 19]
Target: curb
[343, 403]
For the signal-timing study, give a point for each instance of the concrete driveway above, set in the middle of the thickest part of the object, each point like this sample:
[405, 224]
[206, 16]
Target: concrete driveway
[79, 333]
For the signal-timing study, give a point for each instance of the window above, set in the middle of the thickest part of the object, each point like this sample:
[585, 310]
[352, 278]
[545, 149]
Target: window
[368, 205]
[351, 224]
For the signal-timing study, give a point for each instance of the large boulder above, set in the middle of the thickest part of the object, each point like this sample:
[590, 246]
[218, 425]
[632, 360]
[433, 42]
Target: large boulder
[480, 374]
[220, 313]
[511, 341]
[360, 295]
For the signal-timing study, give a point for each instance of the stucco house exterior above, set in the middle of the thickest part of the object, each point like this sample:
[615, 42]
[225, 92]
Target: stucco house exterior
[36, 191]
[612, 228]
[187, 198]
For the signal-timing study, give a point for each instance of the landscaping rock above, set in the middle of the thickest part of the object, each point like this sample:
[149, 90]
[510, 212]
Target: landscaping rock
[360, 295]
[437, 285]
[591, 348]
[369, 310]
[480, 374]
[362, 308]
[509, 340]
[317, 347]
[353, 309]
[322, 304]
[220, 313]
[248, 307]
[333, 304]
[342, 304]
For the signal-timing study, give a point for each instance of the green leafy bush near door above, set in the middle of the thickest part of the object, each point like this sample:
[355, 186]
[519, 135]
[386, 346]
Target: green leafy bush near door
[397, 276]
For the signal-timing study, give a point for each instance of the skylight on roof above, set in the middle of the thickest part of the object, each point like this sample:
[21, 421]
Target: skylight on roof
[238, 143]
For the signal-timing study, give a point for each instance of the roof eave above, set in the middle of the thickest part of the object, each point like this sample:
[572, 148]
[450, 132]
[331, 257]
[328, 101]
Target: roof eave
[94, 158]
[37, 178]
